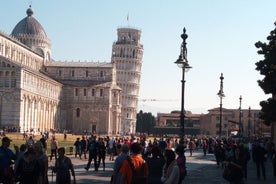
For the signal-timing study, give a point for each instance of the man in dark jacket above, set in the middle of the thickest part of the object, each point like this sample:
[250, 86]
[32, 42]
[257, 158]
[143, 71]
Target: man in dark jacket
[93, 147]
[258, 154]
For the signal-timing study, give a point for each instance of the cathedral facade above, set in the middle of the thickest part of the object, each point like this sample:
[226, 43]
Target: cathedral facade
[39, 94]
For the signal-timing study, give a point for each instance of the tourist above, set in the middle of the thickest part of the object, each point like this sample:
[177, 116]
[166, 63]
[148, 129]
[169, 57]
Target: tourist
[6, 159]
[181, 162]
[62, 168]
[138, 164]
[101, 152]
[258, 154]
[83, 144]
[29, 169]
[54, 148]
[43, 162]
[155, 164]
[116, 177]
[22, 151]
[171, 171]
[93, 153]
[204, 147]
[30, 142]
[111, 148]
[77, 145]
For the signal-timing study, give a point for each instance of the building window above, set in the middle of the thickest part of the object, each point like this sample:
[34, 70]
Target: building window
[13, 83]
[76, 92]
[84, 92]
[101, 92]
[59, 73]
[78, 112]
[7, 83]
[93, 92]
[101, 74]
[86, 73]
[72, 73]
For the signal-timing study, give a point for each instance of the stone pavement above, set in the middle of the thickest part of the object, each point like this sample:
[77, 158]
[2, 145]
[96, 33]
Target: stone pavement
[200, 170]
[204, 170]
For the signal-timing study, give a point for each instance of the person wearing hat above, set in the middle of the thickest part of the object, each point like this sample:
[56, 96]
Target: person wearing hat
[7, 157]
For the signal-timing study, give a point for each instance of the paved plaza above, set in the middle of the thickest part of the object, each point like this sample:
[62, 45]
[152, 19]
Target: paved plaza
[200, 170]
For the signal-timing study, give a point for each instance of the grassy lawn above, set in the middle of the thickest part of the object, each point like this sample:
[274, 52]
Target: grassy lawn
[17, 139]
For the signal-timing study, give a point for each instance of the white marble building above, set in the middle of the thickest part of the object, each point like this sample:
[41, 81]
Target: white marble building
[38, 93]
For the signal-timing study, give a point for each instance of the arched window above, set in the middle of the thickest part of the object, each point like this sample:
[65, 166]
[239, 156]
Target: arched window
[76, 92]
[101, 92]
[78, 112]
[133, 54]
[93, 92]
[121, 53]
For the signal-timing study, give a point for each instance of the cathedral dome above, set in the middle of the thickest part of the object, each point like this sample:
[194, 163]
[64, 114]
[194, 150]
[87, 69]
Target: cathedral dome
[30, 32]
[29, 26]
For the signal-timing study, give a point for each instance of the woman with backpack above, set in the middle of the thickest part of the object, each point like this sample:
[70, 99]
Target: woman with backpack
[134, 170]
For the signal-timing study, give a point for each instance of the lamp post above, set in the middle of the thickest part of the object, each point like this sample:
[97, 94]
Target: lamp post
[182, 63]
[249, 121]
[221, 95]
[240, 119]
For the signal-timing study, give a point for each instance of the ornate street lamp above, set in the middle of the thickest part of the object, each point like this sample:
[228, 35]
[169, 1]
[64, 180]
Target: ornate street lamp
[182, 63]
[240, 119]
[221, 95]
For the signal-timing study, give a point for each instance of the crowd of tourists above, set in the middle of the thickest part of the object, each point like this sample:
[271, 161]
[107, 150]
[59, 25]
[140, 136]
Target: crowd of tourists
[234, 155]
[136, 159]
[29, 163]
[154, 160]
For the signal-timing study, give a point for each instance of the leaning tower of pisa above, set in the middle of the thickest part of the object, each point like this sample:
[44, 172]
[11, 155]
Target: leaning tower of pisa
[127, 54]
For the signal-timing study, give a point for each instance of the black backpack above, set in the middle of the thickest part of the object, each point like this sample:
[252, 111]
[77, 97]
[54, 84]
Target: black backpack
[138, 176]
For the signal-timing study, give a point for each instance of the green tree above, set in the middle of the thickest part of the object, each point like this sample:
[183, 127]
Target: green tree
[145, 122]
[267, 68]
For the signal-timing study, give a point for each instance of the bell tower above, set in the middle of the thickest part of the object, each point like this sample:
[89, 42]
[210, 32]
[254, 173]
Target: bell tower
[127, 55]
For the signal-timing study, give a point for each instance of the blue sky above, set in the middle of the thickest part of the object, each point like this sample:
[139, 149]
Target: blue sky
[222, 35]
